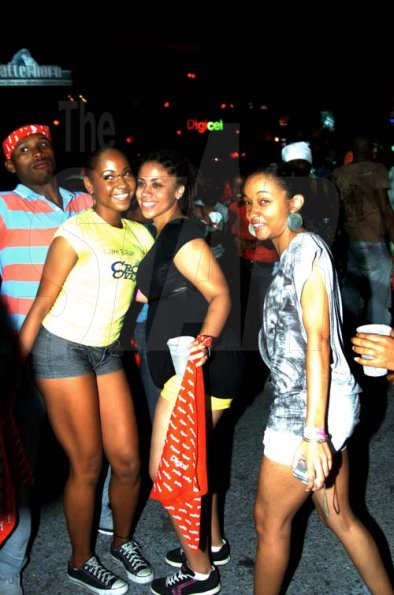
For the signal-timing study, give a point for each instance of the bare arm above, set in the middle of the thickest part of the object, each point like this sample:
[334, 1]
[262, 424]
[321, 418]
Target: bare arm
[198, 265]
[140, 297]
[60, 260]
[316, 319]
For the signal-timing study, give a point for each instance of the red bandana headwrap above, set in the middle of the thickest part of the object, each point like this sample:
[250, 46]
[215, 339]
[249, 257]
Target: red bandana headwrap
[13, 139]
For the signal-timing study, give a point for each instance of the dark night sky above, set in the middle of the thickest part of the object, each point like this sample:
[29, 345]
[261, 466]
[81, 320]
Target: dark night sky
[124, 65]
[270, 58]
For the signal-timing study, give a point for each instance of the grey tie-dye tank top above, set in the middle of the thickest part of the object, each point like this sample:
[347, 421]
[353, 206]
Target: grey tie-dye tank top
[282, 339]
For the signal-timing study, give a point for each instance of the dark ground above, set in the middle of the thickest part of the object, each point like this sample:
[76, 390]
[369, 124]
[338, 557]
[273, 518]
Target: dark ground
[324, 566]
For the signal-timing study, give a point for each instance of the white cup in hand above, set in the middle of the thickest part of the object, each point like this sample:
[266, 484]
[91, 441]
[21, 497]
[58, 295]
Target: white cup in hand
[180, 350]
[375, 329]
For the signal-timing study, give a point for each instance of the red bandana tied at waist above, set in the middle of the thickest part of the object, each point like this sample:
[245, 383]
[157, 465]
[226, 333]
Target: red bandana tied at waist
[14, 470]
[15, 137]
[181, 479]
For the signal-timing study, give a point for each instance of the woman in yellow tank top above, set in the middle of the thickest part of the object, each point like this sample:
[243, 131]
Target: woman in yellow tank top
[72, 331]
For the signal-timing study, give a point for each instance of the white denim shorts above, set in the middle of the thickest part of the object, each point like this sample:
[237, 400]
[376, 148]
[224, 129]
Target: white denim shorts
[280, 446]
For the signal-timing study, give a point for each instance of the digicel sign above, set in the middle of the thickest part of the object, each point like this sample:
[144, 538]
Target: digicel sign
[202, 126]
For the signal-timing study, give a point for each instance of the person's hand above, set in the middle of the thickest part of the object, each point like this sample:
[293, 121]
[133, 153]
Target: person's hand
[379, 347]
[140, 297]
[201, 349]
[318, 458]
[390, 377]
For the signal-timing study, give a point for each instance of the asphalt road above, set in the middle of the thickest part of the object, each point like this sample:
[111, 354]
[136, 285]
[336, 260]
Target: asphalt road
[324, 567]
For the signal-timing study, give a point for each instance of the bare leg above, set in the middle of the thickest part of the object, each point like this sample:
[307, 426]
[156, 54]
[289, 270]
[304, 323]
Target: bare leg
[216, 531]
[351, 532]
[198, 561]
[73, 411]
[120, 438]
[279, 496]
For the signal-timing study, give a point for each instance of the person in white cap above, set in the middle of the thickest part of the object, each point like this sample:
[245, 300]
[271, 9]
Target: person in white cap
[299, 157]
[321, 197]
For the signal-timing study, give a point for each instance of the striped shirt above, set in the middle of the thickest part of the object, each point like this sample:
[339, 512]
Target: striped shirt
[28, 222]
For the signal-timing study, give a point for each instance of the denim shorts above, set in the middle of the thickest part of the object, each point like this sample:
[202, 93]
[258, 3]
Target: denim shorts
[281, 446]
[54, 357]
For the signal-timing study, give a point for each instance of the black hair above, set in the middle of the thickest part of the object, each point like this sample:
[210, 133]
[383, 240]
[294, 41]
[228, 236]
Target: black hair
[284, 177]
[91, 161]
[180, 167]
[320, 209]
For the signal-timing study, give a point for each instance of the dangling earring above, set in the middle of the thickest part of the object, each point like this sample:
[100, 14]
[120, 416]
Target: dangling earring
[251, 230]
[294, 221]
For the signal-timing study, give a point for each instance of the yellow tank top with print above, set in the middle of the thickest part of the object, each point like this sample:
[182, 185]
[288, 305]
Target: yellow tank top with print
[98, 291]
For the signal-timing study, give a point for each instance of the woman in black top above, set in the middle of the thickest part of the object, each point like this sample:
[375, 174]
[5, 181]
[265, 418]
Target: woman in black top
[187, 295]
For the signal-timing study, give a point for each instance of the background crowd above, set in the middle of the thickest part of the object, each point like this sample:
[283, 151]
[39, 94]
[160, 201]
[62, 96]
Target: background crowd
[204, 268]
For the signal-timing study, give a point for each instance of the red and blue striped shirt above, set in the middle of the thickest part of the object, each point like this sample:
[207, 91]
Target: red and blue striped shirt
[28, 222]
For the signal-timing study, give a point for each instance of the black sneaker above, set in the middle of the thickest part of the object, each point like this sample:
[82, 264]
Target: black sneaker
[96, 578]
[177, 556]
[183, 582]
[138, 569]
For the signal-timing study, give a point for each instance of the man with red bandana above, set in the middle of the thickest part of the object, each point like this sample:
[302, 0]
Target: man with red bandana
[29, 216]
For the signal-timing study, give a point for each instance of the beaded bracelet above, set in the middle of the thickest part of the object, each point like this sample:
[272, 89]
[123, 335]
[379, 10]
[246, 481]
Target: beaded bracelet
[312, 433]
[317, 440]
[206, 341]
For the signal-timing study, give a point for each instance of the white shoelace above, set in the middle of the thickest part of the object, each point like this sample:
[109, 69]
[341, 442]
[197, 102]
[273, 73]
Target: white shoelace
[132, 555]
[175, 578]
[94, 568]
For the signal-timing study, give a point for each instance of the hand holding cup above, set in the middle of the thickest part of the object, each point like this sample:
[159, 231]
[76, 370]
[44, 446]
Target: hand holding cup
[375, 343]
[187, 347]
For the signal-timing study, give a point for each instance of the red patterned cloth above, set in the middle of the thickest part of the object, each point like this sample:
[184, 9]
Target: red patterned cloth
[14, 470]
[16, 136]
[181, 479]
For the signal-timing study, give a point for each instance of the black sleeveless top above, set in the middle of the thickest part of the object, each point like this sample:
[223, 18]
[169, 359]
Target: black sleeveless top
[177, 308]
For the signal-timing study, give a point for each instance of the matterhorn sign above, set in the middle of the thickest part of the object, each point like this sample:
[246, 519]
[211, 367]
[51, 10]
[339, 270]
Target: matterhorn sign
[23, 71]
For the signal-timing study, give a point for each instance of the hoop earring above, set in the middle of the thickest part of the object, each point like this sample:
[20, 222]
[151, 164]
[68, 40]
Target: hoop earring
[251, 230]
[294, 221]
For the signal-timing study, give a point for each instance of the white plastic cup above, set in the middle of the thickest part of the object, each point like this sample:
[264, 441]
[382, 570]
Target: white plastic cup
[376, 329]
[180, 350]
